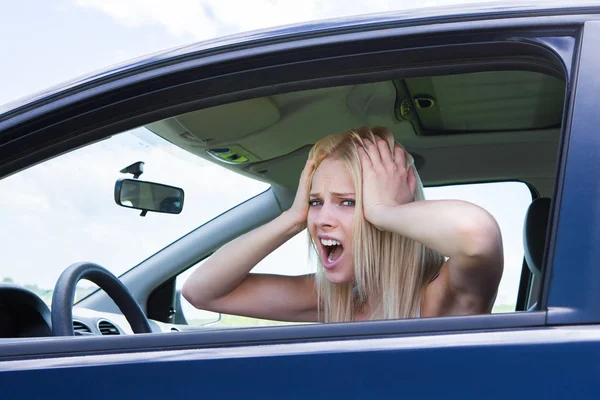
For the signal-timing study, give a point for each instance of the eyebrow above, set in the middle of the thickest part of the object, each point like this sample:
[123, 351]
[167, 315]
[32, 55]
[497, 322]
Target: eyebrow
[336, 194]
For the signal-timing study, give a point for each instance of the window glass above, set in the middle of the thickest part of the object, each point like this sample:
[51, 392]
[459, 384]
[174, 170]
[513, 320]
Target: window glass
[506, 201]
[63, 211]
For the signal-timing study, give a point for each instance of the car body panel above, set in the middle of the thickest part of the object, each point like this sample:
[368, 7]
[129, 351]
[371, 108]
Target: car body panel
[503, 356]
[543, 363]
[577, 254]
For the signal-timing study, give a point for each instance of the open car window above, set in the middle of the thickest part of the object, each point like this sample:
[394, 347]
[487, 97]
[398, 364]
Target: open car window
[490, 138]
[506, 201]
[64, 209]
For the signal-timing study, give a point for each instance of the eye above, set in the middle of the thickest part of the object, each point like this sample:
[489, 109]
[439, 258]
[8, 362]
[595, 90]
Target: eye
[348, 203]
[314, 203]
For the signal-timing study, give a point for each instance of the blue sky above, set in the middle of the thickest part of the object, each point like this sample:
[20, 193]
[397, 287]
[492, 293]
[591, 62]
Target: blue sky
[46, 43]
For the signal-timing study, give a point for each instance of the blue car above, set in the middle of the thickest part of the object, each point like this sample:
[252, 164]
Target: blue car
[115, 187]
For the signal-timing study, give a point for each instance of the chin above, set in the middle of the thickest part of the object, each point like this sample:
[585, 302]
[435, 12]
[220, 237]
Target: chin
[339, 275]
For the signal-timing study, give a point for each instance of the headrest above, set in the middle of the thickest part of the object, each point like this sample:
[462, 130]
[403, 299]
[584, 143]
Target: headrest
[534, 233]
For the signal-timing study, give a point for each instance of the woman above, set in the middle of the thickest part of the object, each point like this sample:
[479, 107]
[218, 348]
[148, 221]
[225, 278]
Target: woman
[380, 245]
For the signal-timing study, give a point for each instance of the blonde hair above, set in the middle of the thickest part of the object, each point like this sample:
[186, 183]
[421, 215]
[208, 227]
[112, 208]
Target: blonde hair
[391, 271]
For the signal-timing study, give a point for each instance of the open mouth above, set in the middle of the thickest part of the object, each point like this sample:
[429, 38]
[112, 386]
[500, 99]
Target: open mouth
[331, 252]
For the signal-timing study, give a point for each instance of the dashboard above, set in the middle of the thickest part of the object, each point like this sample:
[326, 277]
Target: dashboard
[24, 314]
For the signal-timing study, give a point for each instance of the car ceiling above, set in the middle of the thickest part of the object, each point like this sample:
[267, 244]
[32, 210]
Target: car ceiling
[485, 126]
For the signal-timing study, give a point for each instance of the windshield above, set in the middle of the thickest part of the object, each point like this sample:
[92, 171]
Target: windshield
[63, 211]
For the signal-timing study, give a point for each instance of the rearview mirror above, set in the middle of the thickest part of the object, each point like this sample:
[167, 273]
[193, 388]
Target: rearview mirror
[148, 196]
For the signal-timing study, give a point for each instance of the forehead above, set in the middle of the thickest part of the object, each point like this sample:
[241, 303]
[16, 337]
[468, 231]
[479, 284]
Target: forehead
[334, 175]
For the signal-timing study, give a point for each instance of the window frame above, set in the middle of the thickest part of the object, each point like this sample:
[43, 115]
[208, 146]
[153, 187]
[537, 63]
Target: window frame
[570, 289]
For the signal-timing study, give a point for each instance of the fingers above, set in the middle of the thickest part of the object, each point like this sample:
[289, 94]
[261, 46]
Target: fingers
[379, 154]
[365, 160]
[306, 172]
[399, 156]
[372, 152]
[381, 157]
[412, 181]
[385, 154]
[308, 167]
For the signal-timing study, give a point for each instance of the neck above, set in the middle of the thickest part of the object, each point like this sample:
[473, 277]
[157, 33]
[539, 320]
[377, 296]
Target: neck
[365, 310]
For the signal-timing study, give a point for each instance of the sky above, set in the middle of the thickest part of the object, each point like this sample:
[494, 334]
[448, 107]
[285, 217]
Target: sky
[49, 42]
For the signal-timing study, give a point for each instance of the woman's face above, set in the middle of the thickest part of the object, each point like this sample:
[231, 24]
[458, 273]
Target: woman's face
[330, 218]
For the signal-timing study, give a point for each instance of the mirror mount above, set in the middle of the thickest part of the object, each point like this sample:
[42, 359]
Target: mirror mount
[136, 169]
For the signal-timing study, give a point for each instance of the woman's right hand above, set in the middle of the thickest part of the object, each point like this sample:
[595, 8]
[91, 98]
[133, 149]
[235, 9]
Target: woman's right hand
[224, 283]
[298, 212]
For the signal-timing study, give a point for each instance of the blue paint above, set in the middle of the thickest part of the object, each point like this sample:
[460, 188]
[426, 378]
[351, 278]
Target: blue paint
[491, 372]
[575, 286]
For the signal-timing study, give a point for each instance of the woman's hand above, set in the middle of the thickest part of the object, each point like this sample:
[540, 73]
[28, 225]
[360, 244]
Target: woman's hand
[298, 212]
[386, 180]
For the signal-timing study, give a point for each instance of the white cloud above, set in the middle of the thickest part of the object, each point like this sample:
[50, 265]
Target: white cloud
[187, 18]
[204, 19]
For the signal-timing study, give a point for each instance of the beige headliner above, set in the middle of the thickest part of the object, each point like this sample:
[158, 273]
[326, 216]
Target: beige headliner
[276, 132]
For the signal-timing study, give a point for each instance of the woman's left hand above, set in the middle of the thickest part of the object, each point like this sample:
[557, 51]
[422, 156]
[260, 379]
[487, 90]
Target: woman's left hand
[386, 180]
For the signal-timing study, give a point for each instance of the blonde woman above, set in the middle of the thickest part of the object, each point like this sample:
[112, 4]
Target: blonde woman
[384, 251]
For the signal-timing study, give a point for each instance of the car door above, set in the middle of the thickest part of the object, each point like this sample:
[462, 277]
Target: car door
[548, 353]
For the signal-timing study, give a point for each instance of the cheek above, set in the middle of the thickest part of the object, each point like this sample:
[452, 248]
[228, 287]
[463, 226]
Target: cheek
[310, 221]
[347, 221]
[311, 217]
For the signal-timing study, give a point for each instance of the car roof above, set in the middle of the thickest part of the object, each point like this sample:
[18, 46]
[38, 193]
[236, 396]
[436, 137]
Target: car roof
[419, 16]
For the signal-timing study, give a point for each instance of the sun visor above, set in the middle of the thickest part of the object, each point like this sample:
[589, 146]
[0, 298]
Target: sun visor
[493, 101]
[229, 121]
[285, 170]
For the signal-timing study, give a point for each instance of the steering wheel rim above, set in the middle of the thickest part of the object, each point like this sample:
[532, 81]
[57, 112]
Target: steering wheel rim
[64, 296]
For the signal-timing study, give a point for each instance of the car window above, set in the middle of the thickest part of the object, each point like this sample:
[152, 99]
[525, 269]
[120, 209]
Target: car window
[63, 210]
[506, 201]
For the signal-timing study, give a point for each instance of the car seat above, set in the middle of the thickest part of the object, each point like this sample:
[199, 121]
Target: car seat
[534, 240]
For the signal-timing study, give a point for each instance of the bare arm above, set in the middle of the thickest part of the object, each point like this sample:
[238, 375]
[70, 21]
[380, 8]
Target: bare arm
[462, 231]
[224, 283]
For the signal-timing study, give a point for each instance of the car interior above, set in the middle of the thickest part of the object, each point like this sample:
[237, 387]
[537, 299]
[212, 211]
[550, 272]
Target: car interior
[490, 126]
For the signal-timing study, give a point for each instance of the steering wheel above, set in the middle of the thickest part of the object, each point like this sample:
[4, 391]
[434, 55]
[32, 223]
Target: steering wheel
[64, 295]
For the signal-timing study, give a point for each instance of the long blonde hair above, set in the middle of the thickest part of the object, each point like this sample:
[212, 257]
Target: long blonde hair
[391, 271]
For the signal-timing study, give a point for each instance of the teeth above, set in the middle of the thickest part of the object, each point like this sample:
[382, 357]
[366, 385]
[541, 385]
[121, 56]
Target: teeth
[330, 242]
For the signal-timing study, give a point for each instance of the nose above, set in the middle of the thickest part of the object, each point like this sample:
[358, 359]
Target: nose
[326, 216]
